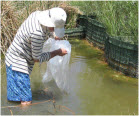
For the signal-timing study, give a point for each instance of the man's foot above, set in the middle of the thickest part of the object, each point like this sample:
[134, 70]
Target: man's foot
[24, 103]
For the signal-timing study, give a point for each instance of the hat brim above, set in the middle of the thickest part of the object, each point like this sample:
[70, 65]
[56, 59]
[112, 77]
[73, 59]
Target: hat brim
[44, 19]
[59, 32]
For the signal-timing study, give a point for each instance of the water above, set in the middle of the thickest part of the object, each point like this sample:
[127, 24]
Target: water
[95, 89]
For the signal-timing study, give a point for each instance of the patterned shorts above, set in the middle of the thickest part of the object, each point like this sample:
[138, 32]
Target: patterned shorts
[18, 85]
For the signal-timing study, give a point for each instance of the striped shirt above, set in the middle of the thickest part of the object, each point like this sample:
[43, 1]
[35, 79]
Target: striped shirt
[27, 45]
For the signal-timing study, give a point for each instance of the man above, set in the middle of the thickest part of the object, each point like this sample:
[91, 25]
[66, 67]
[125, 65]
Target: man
[26, 49]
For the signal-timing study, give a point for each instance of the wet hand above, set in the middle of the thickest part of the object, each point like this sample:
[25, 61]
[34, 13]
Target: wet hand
[62, 52]
[57, 38]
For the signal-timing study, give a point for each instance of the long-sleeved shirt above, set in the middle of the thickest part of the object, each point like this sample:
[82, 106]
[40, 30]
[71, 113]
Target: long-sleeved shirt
[27, 45]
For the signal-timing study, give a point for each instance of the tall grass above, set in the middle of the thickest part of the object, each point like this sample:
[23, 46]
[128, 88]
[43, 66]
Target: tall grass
[119, 17]
[9, 24]
[13, 13]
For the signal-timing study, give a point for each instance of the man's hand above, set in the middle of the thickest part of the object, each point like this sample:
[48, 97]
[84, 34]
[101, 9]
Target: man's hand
[57, 38]
[60, 52]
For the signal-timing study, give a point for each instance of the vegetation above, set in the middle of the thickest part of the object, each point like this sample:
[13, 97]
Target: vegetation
[120, 17]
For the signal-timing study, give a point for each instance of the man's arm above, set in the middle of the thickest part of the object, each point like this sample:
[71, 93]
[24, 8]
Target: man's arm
[60, 52]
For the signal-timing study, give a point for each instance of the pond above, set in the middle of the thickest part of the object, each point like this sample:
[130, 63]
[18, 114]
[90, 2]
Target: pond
[95, 88]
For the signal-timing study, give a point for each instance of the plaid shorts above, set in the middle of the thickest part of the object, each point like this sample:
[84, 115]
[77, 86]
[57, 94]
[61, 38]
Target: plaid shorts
[18, 85]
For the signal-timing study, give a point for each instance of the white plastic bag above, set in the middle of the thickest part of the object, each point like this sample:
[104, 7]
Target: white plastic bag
[57, 67]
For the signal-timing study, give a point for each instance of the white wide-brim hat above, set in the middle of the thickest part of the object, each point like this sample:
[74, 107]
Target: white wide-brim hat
[55, 17]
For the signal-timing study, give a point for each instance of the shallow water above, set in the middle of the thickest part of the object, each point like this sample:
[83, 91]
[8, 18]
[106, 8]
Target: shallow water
[95, 88]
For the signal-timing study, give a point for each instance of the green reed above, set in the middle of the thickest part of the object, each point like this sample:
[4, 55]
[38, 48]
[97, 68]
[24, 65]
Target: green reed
[119, 17]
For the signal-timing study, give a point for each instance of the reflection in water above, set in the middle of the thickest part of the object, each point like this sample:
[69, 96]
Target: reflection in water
[94, 89]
